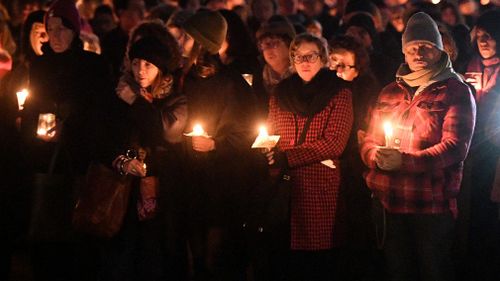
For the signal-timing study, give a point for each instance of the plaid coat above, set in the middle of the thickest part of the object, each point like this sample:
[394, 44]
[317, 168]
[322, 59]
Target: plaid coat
[315, 187]
[433, 131]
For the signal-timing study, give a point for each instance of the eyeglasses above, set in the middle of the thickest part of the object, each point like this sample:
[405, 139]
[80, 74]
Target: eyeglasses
[341, 66]
[269, 44]
[311, 58]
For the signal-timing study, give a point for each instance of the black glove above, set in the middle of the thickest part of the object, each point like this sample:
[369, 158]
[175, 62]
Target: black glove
[280, 159]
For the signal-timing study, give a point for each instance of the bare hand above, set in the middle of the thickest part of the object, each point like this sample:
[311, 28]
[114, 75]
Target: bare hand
[270, 156]
[203, 143]
[388, 159]
[134, 167]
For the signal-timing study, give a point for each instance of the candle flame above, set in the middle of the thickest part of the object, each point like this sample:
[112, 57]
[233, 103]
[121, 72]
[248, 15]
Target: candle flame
[41, 132]
[263, 131]
[198, 130]
[388, 129]
[21, 98]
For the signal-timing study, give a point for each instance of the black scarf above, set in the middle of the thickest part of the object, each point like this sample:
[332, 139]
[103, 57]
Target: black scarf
[307, 99]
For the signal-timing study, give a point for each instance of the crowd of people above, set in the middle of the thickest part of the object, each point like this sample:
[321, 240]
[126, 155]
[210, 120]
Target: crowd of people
[387, 112]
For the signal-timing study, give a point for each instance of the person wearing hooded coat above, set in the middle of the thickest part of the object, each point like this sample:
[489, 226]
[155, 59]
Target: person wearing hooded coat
[14, 196]
[483, 73]
[219, 161]
[71, 84]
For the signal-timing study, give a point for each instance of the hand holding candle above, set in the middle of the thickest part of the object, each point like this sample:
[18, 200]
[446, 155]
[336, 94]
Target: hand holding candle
[388, 158]
[21, 98]
[264, 140]
[46, 129]
[201, 141]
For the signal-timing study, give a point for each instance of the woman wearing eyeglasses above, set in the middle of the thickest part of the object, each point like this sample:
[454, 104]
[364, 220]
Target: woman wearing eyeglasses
[317, 104]
[273, 41]
[350, 60]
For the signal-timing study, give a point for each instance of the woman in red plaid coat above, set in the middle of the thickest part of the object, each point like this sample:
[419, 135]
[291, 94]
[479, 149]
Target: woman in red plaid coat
[313, 93]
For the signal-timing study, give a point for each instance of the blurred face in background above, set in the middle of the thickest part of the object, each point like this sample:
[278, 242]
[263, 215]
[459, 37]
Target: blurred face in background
[486, 44]
[144, 72]
[60, 37]
[315, 28]
[262, 10]
[311, 8]
[344, 63]
[396, 18]
[185, 41]
[275, 52]
[449, 17]
[131, 17]
[38, 36]
[307, 61]
[361, 35]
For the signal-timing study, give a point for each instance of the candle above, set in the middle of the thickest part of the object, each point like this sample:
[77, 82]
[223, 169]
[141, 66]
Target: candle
[248, 78]
[388, 131]
[264, 140]
[21, 98]
[46, 125]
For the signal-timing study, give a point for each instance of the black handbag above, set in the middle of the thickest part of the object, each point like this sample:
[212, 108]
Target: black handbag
[52, 204]
[268, 211]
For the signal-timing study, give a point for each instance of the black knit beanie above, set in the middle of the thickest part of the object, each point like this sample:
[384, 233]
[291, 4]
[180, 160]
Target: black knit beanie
[152, 50]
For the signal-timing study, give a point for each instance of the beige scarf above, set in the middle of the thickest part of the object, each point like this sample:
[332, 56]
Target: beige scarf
[422, 78]
[128, 89]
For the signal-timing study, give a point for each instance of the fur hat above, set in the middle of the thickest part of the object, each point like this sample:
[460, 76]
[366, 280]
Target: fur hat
[208, 28]
[422, 28]
[66, 10]
[152, 50]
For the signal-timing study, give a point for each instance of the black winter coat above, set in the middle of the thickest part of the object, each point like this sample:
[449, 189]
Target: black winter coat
[73, 85]
[225, 106]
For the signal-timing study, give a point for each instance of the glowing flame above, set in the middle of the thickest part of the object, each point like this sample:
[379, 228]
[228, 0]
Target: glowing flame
[263, 131]
[21, 98]
[435, 2]
[388, 131]
[198, 130]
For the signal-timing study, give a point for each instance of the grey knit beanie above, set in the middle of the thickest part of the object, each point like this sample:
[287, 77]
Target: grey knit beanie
[422, 28]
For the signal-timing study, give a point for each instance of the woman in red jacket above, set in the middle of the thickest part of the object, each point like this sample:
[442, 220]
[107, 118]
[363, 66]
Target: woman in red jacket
[316, 101]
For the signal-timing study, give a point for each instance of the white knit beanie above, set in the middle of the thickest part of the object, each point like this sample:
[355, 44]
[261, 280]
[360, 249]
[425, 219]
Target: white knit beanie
[422, 28]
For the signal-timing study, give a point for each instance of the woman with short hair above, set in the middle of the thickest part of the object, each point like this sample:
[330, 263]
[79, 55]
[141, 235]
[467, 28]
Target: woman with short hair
[312, 112]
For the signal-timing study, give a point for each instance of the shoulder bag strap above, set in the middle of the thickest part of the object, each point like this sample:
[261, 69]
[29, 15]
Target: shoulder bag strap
[303, 134]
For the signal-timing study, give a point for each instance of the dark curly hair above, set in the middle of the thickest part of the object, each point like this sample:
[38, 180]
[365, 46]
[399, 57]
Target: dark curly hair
[361, 57]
